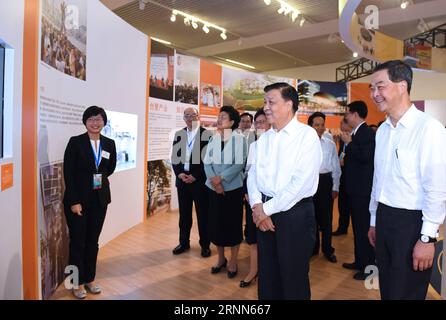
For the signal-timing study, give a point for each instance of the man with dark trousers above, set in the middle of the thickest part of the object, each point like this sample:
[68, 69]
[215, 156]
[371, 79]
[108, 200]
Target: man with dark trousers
[328, 188]
[358, 169]
[408, 197]
[344, 210]
[282, 180]
[188, 148]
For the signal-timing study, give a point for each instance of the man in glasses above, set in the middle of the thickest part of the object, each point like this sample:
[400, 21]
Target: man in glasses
[188, 147]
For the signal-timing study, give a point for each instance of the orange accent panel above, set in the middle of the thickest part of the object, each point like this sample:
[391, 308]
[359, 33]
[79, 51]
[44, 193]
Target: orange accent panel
[361, 91]
[210, 74]
[7, 176]
[29, 150]
[146, 133]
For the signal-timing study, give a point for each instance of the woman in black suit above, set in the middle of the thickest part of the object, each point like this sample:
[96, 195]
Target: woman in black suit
[88, 162]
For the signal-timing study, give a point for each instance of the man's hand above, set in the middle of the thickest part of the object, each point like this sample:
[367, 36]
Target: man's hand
[219, 189]
[216, 181]
[77, 209]
[189, 179]
[182, 177]
[346, 137]
[335, 194]
[372, 236]
[267, 225]
[258, 215]
[423, 256]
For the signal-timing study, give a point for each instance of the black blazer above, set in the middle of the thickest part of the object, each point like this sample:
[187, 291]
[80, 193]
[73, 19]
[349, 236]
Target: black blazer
[79, 168]
[358, 162]
[178, 156]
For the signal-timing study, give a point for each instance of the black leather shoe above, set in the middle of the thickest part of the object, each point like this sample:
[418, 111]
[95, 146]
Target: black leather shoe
[232, 274]
[244, 284]
[218, 269]
[350, 266]
[180, 249]
[360, 276]
[331, 258]
[205, 252]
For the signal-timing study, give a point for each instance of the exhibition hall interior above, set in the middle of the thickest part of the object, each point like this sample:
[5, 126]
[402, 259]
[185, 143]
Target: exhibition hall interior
[107, 91]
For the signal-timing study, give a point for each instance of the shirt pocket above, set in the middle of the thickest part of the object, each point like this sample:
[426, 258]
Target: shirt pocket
[407, 164]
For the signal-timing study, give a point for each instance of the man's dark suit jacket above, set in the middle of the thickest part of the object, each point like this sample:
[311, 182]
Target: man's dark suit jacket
[178, 157]
[358, 162]
[79, 168]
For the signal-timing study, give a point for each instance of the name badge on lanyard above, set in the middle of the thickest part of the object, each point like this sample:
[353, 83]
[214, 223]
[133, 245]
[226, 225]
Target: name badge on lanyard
[97, 178]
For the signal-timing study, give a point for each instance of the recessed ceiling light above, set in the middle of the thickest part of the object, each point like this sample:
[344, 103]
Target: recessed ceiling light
[240, 64]
[160, 40]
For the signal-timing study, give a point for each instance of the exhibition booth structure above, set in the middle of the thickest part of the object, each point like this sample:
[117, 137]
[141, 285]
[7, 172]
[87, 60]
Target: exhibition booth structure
[61, 56]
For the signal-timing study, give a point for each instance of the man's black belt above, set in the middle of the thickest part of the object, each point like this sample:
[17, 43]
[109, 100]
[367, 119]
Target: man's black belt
[266, 198]
[325, 174]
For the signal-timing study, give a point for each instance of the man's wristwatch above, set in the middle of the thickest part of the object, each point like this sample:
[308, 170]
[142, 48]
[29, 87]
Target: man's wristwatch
[426, 239]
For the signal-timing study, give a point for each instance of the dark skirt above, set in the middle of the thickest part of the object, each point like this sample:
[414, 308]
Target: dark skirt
[226, 218]
[250, 227]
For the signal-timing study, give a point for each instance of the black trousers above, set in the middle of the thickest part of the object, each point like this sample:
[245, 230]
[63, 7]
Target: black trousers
[323, 209]
[344, 210]
[193, 193]
[364, 252]
[84, 237]
[397, 231]
[284, 255]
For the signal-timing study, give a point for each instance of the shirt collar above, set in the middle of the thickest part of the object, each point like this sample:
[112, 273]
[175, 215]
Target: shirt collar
[409, 117]
[291, 127]
[357, 128]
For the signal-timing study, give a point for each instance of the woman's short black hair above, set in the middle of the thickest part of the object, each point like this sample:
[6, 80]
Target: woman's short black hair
[233, 115]
[94, 111]
[314, 116]
[260, 112]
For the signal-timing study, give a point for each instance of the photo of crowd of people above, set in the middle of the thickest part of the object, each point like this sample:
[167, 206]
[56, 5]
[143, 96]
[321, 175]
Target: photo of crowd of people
[186, 79]
[64, 48]
[161, 71]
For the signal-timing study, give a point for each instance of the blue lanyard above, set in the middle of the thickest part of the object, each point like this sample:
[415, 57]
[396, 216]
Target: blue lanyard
[192, 141]
[97, 159]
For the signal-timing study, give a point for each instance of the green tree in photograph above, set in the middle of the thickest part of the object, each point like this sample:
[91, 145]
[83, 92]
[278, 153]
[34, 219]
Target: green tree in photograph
[157, 181]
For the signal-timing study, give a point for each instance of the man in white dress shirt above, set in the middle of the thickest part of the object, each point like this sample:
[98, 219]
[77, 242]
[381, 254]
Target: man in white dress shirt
[328, 188]
[408, 197]
[282, 180]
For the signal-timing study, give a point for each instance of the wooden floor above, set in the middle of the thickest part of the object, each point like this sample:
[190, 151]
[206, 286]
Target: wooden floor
[139, 265]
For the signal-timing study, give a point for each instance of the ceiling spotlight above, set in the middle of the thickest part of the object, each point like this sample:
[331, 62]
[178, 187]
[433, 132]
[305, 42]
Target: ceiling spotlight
[294, 15]
[142, 5]
[355, 55]
[404, 4]
[267, 2]
[195, 22]
[422, 26]
[302, 21]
